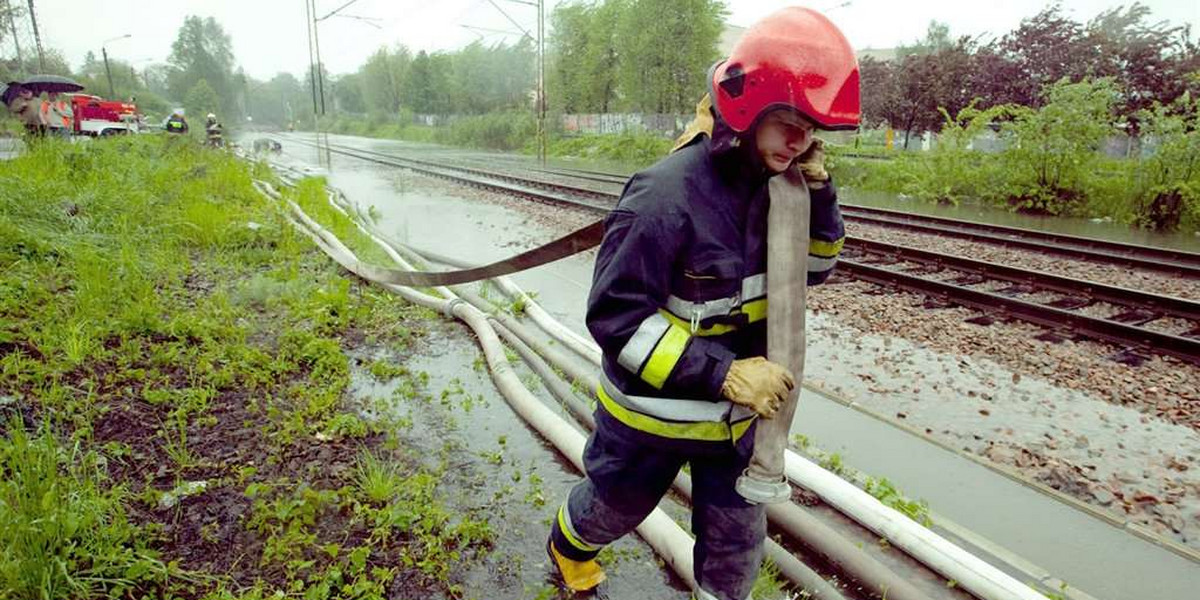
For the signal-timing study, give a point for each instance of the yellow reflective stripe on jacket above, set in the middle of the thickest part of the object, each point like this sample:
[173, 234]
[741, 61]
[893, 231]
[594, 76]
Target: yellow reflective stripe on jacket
[707, 431]
[717, 329]
[665, 356]
[756, 310]
[825, 249]
[738, 429]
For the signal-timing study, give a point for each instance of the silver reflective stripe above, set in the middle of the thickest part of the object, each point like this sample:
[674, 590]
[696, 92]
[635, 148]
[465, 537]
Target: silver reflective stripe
[698, 311]
[673, 409]
[740, 413]
[566, 517]
[639, 347]
[818, 264]
[754, 287]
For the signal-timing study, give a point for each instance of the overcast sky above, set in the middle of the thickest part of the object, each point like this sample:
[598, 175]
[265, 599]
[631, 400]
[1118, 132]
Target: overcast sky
[269, 35]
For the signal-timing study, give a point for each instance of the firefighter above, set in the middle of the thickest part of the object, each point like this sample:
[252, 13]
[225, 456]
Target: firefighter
[214, 131]
[678, 304]
[176, 123]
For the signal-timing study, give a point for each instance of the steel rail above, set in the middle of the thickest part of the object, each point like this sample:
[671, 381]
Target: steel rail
[1080, 288]
[1175, 262]
[1056, 319]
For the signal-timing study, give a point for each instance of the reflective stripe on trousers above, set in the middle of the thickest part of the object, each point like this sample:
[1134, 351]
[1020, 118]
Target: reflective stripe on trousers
[626, 479]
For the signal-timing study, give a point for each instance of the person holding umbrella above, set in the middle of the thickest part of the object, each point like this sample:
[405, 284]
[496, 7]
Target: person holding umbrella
[22, 103]
[21, 98]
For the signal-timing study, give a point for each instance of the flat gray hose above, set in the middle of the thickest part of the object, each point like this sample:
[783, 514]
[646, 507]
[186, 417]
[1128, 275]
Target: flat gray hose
[764, 481]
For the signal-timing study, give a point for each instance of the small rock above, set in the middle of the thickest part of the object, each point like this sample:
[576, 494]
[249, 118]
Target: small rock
[181, 491]
[1103, 496]
[985, 412]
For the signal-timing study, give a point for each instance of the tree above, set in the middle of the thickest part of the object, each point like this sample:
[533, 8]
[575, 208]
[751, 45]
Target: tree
[203, 51]
[1047, 48]
[583, 55]
[419, 92]
[1148, 60]
[279, 101]
[201, 100]
[666, 48]
[382, 79]
[348, 93]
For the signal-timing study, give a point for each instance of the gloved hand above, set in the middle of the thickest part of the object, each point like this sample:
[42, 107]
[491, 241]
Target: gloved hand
[758, 384]
[812, 164]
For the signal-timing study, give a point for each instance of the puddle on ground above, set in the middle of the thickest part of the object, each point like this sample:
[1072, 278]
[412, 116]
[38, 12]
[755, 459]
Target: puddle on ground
[932, 390]
[499, 465]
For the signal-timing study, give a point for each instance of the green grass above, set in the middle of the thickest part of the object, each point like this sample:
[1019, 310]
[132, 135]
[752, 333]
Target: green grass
[63, 532]
[377, 479]
[174, 329]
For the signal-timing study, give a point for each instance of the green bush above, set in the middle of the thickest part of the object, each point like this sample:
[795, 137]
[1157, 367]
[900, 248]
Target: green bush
[492, 131]
[1054, 149]
[1166, 188]
[639, 148]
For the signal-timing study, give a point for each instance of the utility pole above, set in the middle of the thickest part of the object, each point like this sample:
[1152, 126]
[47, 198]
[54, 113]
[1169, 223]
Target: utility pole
[12, 25]
[542, 81]
[317, 45]
[312, 78]
[540, 108]
[112, 93]
[37, 38]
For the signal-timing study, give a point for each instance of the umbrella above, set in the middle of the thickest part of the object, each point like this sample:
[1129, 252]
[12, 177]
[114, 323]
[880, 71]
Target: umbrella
[50, 84]
[9, 91]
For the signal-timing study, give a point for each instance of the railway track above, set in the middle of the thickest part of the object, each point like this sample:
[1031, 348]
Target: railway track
[1141, 324]
[1175, 262]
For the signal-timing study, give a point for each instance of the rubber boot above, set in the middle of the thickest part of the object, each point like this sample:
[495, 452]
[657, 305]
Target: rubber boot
[578, 576]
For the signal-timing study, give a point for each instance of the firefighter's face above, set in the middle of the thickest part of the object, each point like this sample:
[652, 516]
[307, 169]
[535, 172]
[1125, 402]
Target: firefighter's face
[781, 136]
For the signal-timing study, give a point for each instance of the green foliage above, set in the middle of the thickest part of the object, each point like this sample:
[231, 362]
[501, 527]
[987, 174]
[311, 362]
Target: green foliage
[582, 75]
[1167, 184]
[637, 148]
[496, 131]
[376, 478]
[200, 100]
[1054, 149]
[63, 531]
[161, 298]
[1052, 161]
[202, 51]
[650, 55]
[885, 492]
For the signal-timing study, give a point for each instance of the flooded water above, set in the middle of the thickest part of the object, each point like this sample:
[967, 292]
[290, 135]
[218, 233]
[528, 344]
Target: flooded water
[1096, 228]
[502, 470]
[1099, 229]
[930, 387]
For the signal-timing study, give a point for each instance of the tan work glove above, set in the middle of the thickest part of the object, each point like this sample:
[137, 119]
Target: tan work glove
[812, 164]
[759, 384]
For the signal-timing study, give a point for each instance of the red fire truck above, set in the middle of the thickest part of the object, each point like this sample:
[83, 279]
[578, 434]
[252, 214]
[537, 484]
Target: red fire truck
[96, 116]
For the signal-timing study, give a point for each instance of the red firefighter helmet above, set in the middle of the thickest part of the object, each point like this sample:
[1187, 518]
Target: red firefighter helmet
[793, 58]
